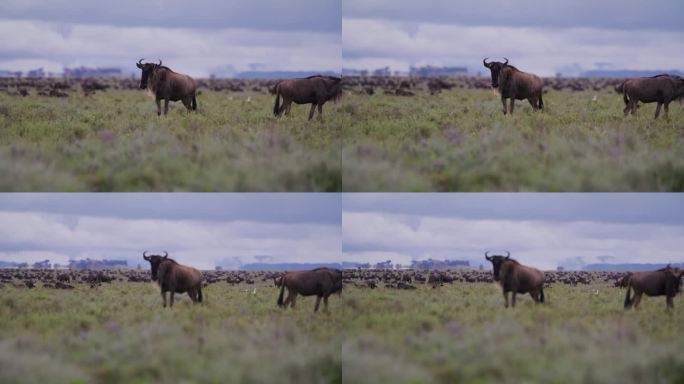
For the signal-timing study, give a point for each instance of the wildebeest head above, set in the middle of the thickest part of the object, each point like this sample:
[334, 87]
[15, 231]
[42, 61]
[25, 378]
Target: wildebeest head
[496, 261]
[495, 68]
[155, 260]
[147, 70]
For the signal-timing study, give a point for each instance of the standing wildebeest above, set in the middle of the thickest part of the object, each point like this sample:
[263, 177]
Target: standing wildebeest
[321, 282]
[514, 84]
[517, 278]
[313, 89]
[661, 89]
[175, 278]
[665, 281]
[167, 85]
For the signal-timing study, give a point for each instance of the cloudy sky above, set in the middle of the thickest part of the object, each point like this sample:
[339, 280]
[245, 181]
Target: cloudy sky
[545, 230]
[196, 37]
[540, 36]
[199, 229]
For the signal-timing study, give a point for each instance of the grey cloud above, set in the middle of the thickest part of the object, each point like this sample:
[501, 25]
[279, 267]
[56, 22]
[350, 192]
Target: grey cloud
[291, 15]
[614, 14]
[319, 208]
[660, 208]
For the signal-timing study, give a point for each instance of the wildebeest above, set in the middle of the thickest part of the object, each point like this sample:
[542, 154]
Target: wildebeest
[661, 89]
[321, 282]
[316, 90]
[517, 278]
[665, 281]
[167, 85]
[514, 84]
[175, 278]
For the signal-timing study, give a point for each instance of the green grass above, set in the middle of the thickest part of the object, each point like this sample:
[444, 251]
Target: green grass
[114, 141]
[460, 140]
[463, 333]
[120, 333]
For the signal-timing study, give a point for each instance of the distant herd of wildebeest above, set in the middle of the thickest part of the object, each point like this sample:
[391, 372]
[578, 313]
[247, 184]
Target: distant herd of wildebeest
[510, 82]
[511, 276]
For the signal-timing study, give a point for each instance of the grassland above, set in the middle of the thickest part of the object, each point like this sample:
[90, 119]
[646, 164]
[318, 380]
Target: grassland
[462, 333]
[114, 141]
[459, 332]
[459, 140]
[120, 333]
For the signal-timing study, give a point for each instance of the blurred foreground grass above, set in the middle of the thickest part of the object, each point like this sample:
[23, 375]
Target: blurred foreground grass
[459, 140]
[120, 333]
[114, 141]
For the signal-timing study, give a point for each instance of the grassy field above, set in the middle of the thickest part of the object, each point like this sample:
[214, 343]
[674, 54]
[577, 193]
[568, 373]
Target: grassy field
[114, 141]
[455, 333]
[462, 333]
[120, 333]
[459, 140]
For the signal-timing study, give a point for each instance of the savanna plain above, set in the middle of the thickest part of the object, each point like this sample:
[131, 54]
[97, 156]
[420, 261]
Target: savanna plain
[444, 333]
[451, 135]
[104, 135]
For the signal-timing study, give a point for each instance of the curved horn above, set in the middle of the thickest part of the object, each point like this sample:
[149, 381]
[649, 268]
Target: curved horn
[506, 61]
[508, 254]
[487, 256]
[140, 61]
[486, 64]
[159, 65]
[166, 254]
[145, 256]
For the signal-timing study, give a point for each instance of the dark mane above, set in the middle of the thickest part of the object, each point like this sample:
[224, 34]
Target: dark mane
[513, 260]
[171, 260]
[661, 75]
[510, 66]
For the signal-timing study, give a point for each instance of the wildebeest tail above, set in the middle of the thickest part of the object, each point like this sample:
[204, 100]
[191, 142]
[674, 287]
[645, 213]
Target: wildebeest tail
[541, 106]
[541, 291]
[624, 94]
[276, 107]
[628, 300]
[199, 294]
[194, 102]
[282, 292]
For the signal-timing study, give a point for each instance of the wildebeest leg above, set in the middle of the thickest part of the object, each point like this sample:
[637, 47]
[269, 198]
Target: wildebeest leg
[667, 109]
[658, 109]
[535, 296]
[513, 296]
[311, 112]
[325, 303]
[637, 299]
[503, 101]
[164, 297]
[287, 103]
[187, 103]
[533, 102]
[320, 111]
[158, 101]
[318, 303]
[506, 298]
[171, 301]
[193, 295]
[511, 110]
[166, 108]
[294, 299]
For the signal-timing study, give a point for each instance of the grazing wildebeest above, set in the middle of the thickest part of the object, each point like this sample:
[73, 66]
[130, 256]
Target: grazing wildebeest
[316, 90]
[514, 84]
[665, 281]
[321, 282]
[167, 85]
[175, 278]
[517, 278]
[661, 89]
